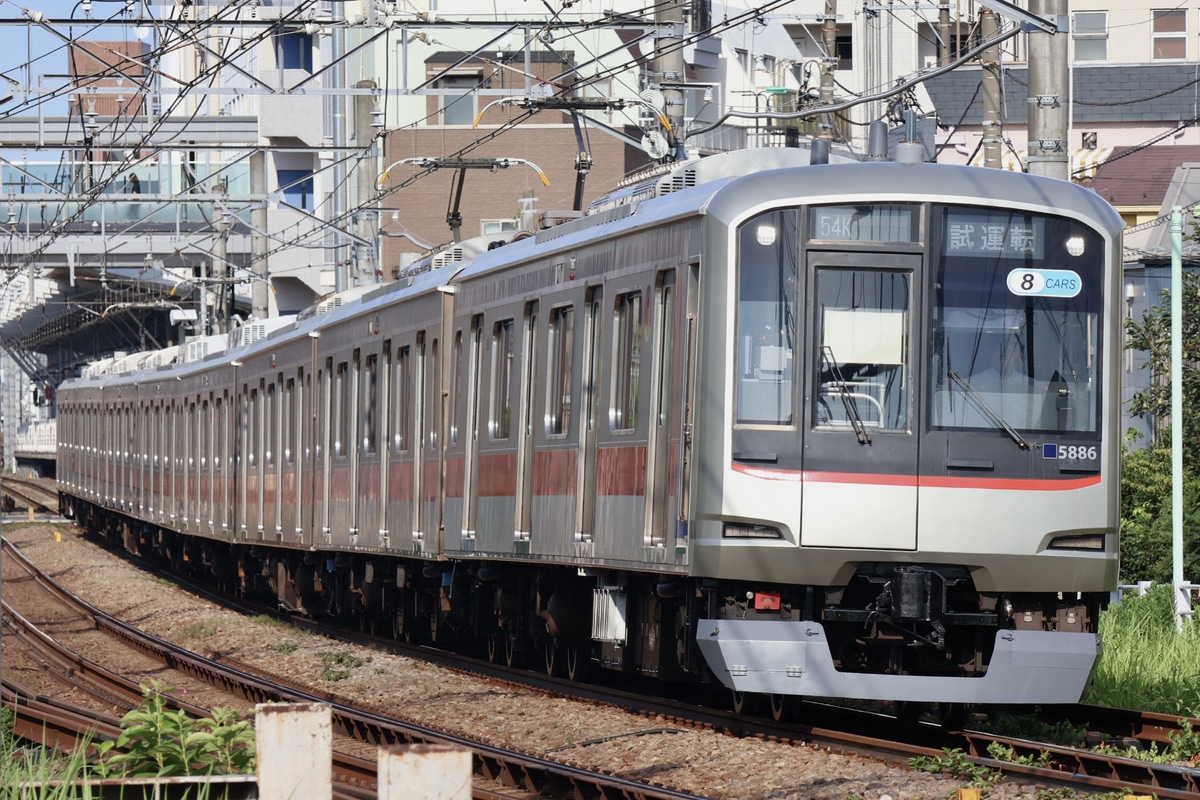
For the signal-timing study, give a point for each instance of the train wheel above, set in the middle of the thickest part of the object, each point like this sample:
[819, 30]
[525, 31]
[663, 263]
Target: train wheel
[744, 702]
[781, 707]
[577, 662]
[952, 716]
[512, 656]
[493, 646]
[551, 651]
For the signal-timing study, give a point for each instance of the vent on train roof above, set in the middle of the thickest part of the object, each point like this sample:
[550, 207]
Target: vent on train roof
[684, 179]
[451, 255]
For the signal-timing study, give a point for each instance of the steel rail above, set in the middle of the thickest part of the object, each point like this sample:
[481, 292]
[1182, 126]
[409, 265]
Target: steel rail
[517, 770]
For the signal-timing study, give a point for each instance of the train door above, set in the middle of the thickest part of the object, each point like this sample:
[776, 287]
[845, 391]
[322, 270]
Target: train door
[585, 486]
[859, 410]
[224, 466]
[665, 413]
[367, 493]
[431, 444]
[272, 460]
[471, 448]
[289, 440]
[400, 520]
[523, 521]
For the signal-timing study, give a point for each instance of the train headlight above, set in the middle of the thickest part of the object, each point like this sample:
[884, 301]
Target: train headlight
[1075, 245]
[765, 235]
[741, 531]
[1087, 541]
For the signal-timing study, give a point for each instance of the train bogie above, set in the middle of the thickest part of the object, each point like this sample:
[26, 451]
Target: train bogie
[843, 430]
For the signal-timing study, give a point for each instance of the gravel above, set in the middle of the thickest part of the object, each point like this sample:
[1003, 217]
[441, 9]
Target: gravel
[706, 763]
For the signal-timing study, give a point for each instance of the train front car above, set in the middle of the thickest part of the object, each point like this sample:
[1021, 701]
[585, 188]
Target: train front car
[907, 435]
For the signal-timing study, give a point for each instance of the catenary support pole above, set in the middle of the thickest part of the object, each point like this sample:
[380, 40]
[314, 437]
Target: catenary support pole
[1183, 606]
[1048, 75]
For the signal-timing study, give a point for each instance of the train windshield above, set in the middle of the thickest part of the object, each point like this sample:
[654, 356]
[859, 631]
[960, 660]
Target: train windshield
[1015, 316]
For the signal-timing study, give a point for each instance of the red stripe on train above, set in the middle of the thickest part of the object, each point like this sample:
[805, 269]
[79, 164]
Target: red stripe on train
[928, 481]
[554, 473]
[621, 471]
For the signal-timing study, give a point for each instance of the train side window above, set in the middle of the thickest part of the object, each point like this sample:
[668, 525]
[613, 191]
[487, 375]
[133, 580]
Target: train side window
[433, 392]
[270, 427]
[206, 446]
[627, 362]
[223, 429]
[402, 401]
[500, 419]
[455, 387]
[476, 373]
[766, 319]
[864, 349]
[341, 408]
[371, 405]
[559, 370]
[254, 415]
[288, 442]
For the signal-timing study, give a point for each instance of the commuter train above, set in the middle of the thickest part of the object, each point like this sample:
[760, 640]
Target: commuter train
[825, 429]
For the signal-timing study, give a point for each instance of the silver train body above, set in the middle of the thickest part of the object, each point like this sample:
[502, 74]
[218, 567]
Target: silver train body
[847, 430]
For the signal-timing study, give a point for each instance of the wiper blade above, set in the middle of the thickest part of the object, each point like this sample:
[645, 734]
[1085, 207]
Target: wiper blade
[987, 409]
[839, 383]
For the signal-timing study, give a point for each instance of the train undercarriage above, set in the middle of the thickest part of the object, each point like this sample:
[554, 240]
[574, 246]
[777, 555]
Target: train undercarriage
[888, 620]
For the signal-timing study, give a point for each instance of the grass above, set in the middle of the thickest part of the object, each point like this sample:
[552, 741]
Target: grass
[1147, 664]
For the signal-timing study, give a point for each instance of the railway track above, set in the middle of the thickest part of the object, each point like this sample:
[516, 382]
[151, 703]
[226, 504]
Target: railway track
[36, 494]
[503, 774]
[841, 729]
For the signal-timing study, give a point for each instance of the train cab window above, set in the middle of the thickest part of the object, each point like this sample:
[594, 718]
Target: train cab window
[766, 318]
[402, 401]
[627, 362]
[503, 376]
[862, 319]
[558, 377]
[1016, 327]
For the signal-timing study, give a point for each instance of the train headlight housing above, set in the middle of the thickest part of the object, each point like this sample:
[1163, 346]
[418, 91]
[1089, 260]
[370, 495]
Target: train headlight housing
[1087, 541]
[1075, 245]
[737, 530]
[765, 235]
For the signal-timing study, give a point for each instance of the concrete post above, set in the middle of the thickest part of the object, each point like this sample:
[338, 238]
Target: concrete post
[294, 746]
[989, 25]
[424, 772]
[260, 297]
[1048, 100]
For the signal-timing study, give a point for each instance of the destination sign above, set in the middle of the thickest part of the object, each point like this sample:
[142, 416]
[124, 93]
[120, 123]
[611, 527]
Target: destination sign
[994, 236]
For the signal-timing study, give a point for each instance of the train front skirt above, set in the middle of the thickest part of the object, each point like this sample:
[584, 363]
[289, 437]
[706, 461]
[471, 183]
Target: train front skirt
[793, 658]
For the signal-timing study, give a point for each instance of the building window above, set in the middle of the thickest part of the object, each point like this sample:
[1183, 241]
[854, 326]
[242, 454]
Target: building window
[497, 227]
[297, 188]
[294, 51]
[458, 102]
[1169, 34]
[743, 60]
[1091, 36]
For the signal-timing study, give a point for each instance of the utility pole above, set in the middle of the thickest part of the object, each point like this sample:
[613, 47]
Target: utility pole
[989, 25]
[669, 66]
[828, 64]
[341, 259]
[260, 299]
[1048, 87]
[945, 43]
[366, 262]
